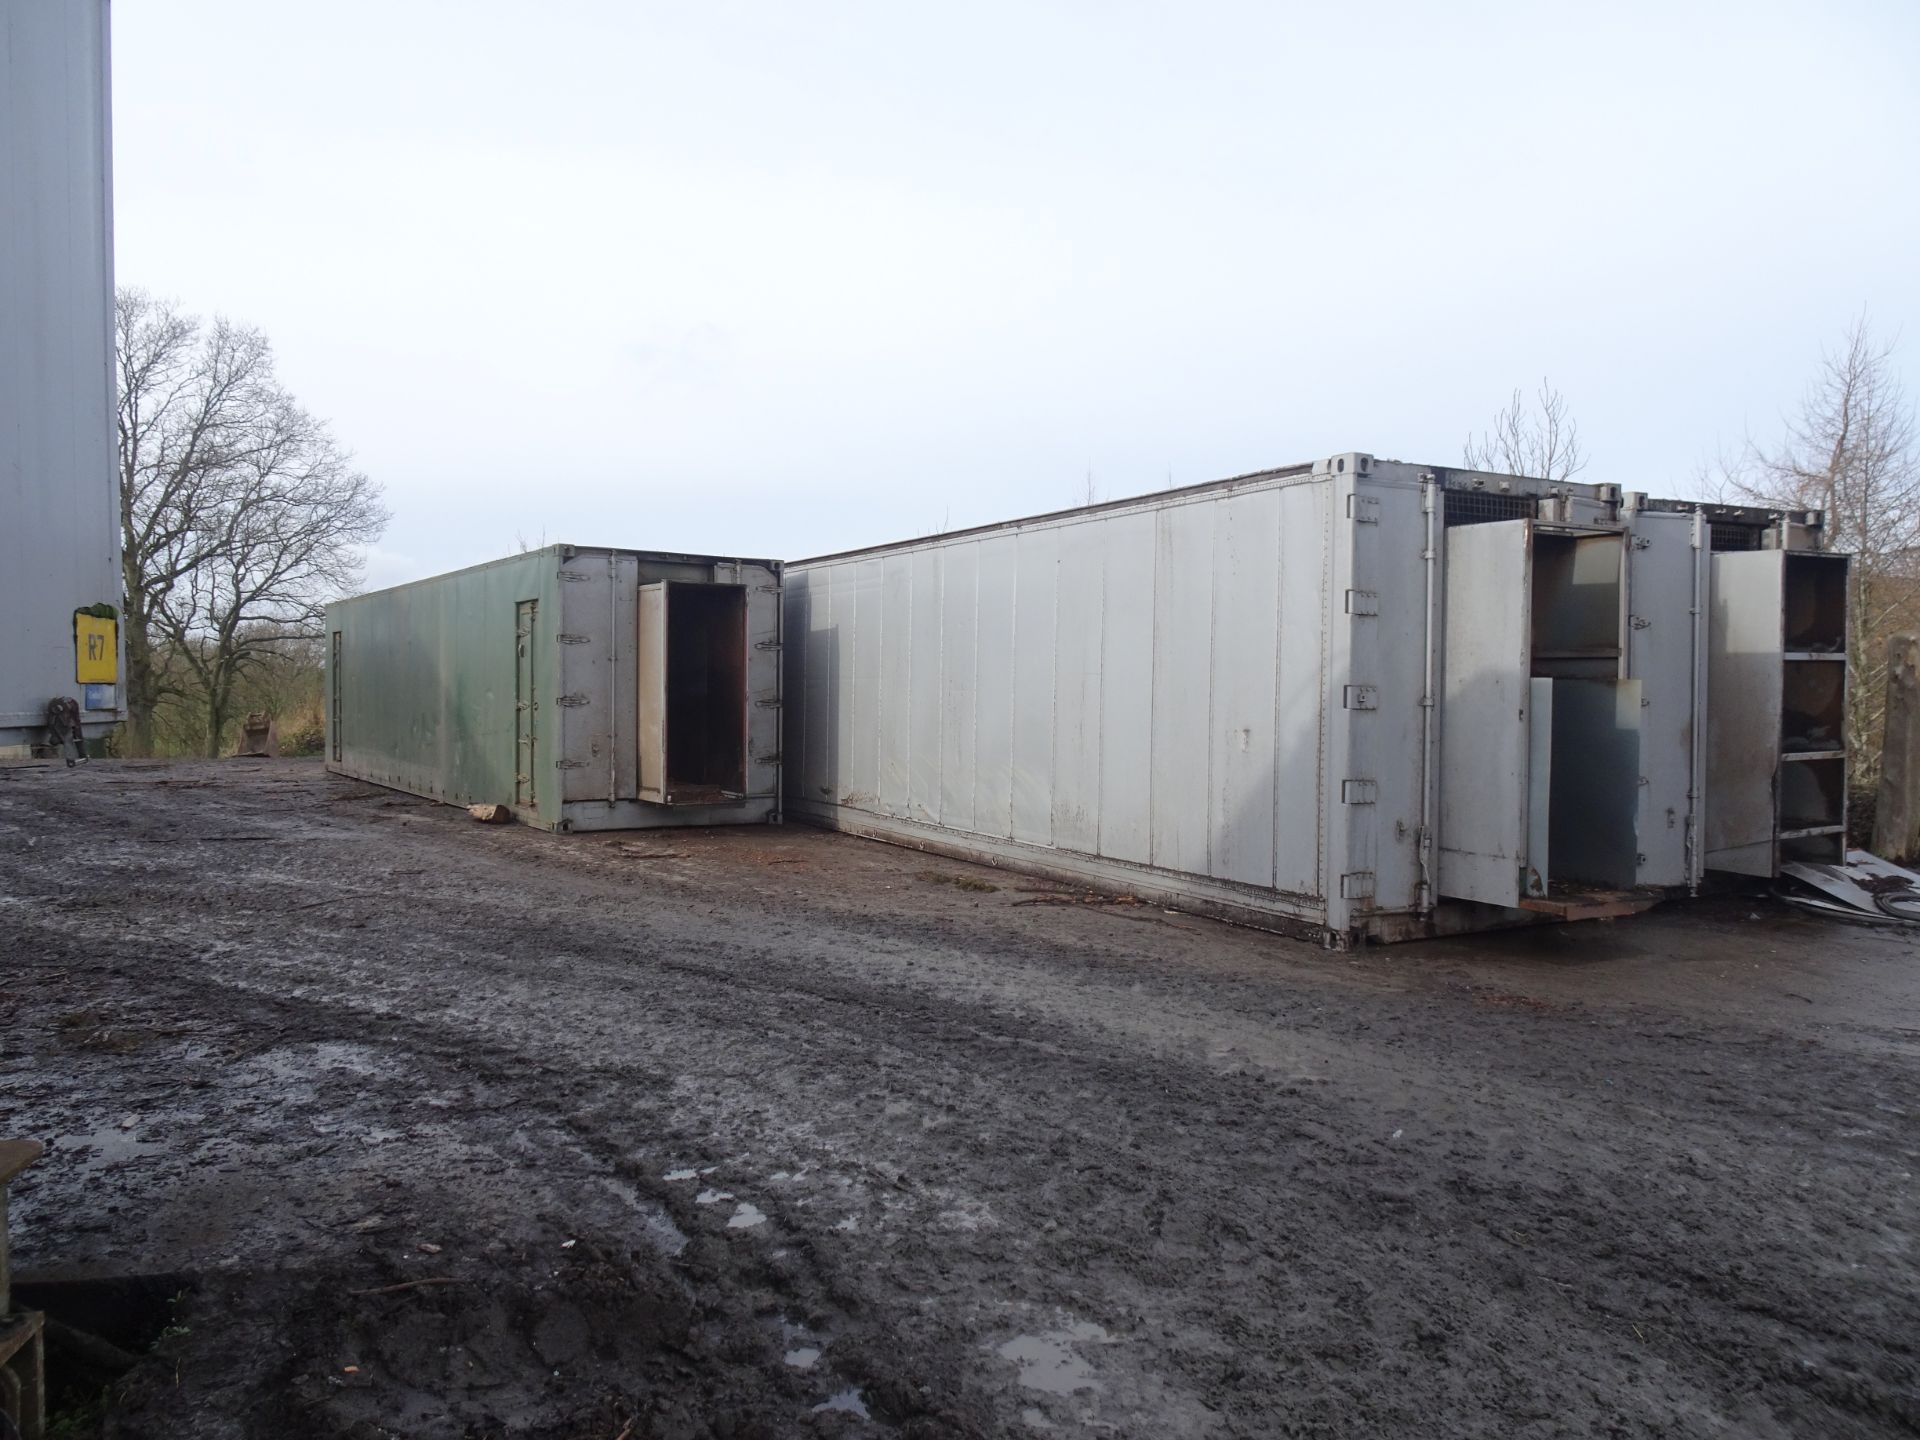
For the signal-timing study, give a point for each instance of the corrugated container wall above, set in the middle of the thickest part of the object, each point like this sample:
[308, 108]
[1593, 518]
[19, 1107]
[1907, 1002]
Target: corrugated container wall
[59, 538]
[587, 688]
[1224, 697]
[1144, 693]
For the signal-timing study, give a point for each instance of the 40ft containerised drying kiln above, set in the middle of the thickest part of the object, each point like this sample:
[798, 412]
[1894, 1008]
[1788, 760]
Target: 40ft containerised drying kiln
[1361, 698]
[588, 689]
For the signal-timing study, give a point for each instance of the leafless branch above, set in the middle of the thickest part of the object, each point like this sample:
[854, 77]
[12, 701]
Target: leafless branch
[1540, 439]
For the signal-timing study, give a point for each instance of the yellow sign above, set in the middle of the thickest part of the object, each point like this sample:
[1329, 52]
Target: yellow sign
[96, 650]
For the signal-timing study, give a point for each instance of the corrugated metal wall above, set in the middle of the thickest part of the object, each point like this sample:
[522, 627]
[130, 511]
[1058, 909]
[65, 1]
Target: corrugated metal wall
[422, 695]
[1144, 685]
[57, 485]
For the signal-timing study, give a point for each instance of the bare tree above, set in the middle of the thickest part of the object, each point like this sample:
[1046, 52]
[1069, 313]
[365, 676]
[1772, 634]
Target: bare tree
[1539, 439]
[1853, 452]
[240, 514]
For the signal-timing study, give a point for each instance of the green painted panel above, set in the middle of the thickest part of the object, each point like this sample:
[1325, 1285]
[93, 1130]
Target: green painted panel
[427, 677]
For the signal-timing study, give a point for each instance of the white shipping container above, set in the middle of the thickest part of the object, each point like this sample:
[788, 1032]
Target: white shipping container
[1361, 698]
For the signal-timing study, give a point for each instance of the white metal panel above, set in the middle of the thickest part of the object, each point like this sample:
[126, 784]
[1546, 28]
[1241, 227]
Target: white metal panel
[796, 731]
[1744, 676]
[895, 697]
[821, 701]
[860, 768]
[1667, 568]
[623, 694]
[998, 594]
[1246, 620]
[959, 682]
[843, 600]
[924, 689]
[59, 516]
[1036, 593]
[1301, 697]
[1383, 615]
[765, 647]
[1127, 690]
[1484, 737]
[1183, 687]
[1080, 586]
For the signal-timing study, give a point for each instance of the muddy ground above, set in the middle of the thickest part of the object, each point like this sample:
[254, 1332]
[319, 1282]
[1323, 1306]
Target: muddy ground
[419, 1127]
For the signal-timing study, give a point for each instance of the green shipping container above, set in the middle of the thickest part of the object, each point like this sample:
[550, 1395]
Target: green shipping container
[588, 689]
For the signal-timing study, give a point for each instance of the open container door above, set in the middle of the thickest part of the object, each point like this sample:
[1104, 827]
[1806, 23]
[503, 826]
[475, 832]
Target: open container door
[692, 711]
[1491, 779]
[1667, 574]
[651, 613]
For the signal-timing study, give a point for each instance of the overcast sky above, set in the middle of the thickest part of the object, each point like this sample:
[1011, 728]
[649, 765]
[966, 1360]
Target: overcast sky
[782, 278]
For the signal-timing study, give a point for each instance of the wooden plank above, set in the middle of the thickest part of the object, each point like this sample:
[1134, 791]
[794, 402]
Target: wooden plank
[1597, 905]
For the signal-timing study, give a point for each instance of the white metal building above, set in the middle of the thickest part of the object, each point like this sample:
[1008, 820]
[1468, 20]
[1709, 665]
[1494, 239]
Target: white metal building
[59, 508]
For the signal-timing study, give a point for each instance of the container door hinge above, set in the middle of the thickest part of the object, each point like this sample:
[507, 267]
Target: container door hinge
[1363, 602]
[1356, 885]
[569, 764]
[1358, 792]
[574, 639]
[1363, 509]
[1639, 622]
[1641, 542]
[766, 645]
[768, 704]
[571, 700]
[1360, 697]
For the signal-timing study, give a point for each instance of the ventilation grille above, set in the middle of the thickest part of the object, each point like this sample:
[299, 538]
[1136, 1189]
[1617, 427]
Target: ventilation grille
[1723, 535]
[1480, 507]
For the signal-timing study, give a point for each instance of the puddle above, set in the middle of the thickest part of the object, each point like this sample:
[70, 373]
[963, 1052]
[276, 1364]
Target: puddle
[665, 1236]
[851, 1401]
[679, 1175]
[745, 1218]
[111, 1147]
[849, 1224]
[712, 1197]
[802, 1357]
[298, 1063]
[1048, 1363]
